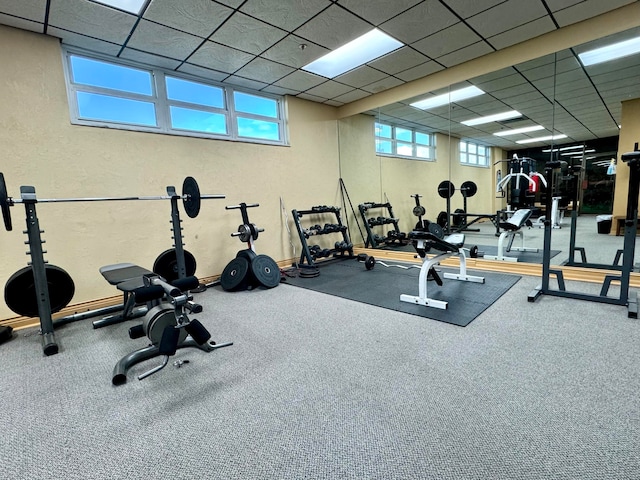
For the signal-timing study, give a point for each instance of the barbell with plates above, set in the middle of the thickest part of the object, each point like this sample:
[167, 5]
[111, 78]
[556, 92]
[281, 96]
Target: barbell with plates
[191, 199]
[446, 189]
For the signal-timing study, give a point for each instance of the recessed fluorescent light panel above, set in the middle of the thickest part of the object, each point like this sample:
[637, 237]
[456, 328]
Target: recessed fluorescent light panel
[357, 52]
[610, 52]
[132, 6]
[454, 96]
[498, 117]
[541, 139]
[515, 131]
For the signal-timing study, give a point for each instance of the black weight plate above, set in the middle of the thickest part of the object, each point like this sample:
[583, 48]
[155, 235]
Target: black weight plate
[468, 189]
[446, 189]
[191, 197]
[235, 275]
[266, 271]
[369, 263]
[419, 210]
[247, 254]
[442, 219]
[459, 218]
[20, 290]
[4, 204]
[436, 229]
[166, 265]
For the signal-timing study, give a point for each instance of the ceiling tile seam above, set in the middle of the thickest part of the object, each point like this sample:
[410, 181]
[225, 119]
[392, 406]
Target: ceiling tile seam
[47, 9]
[468, 26]
[23, 18]
[593, 85]
[550, 13]
[141, 13]
[373, 24]
[87, 36]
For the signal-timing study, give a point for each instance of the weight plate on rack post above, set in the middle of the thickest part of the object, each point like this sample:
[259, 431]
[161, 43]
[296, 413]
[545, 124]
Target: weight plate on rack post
[166, 265]
[191, 197]
[419, 211]
[446, 189]
[20, 291]
[265, 271]
[468, 189]
[235, 275]
[436, 230]
[443, 219]
[4, 204]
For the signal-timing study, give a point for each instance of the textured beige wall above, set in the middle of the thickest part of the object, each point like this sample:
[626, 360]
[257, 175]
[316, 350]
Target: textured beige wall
[41, 148]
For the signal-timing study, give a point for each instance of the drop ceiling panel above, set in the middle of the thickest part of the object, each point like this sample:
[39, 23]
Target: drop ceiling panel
[294, 51]
[351, 96]
[202, 72]
[420, 21]
[467, 9]
[27, 9]
[586, 9]
[419, 71]
[399, 60]
[198, 17]
[219, 57]
[150, 59]
[286, 14]
[506, 16]
[330, 89]
[377, 11]
[446, 41]
[383, 84]
[265, 70]
[361, 76]
[300, 81]
[88, 43]
[21, 23]
[236, 80]
[91, 19]
[521, 33]
[155, 38]
[247, 34]
[333, 28]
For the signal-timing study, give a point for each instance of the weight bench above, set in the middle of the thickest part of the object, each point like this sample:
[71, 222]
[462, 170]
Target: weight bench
[129, 279]
[451, 245]
[512, 228]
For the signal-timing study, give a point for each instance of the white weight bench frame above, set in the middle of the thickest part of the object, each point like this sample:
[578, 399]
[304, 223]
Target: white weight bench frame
[512, 228]
[450, 246]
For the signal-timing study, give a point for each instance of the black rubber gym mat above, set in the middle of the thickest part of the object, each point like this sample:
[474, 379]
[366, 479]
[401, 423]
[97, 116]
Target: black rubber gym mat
[382, 286]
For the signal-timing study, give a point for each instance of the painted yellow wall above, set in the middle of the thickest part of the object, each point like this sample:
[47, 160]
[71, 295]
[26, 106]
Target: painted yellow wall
[629, 135]
[41, 148]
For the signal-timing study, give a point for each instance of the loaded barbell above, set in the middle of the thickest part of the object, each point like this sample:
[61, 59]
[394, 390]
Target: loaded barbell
[191, 199]
[446, 189]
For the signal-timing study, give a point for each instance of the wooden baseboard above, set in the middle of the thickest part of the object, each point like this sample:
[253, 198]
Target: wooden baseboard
[519, 268]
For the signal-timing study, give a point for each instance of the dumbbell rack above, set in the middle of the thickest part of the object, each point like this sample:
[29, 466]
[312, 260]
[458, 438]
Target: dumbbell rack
[373, 240]
[307, 258]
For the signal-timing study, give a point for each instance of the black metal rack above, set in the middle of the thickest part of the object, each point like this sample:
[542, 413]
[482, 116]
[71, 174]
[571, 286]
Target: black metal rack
[373, 240]
[309, 255]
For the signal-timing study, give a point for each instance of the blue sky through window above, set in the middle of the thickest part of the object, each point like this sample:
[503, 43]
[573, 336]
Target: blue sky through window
[107, 75]
[115, 109]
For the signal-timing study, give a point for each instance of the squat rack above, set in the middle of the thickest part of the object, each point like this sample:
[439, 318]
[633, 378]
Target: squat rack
[633, 161]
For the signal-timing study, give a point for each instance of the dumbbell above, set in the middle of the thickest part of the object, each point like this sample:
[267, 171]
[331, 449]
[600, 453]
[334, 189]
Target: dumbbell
[369, 261]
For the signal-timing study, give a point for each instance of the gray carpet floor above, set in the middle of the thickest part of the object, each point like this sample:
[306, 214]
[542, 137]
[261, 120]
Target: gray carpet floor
[320, 387]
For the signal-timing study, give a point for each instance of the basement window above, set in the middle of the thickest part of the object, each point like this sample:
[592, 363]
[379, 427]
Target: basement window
[397, 141]
[105, 92]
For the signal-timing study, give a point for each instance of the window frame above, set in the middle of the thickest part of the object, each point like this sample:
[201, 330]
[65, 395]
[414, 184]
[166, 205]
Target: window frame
[395, 142]
[465, 154]
[162, 103]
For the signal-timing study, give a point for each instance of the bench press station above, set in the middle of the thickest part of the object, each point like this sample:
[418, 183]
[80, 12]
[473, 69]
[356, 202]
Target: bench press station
[449, 246]
[166, 323]
[512, 228]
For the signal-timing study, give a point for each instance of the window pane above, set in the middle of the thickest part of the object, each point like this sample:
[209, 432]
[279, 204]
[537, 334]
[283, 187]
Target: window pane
[405, 149]
[108, 75]
[123, 110]
[403, 134]
[193, 92]
[423, 152]
[246, 103]
[383, 146]
[463, 146]
[473, 160]
[249, 127]
[423, 138]
[472, 148]
[383, 130]
[197, 120]
[481, 150]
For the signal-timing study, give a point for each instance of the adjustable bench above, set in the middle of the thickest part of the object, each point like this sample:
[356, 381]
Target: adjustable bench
[512, 227]
[451, 245]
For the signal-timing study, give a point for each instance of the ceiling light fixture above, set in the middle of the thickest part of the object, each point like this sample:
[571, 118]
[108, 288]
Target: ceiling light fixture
[498, 117]
[132, 6]
[541, 139]
[454, 96]
[515, 131]
[363, 49]
[562, 149]
[610, 52]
